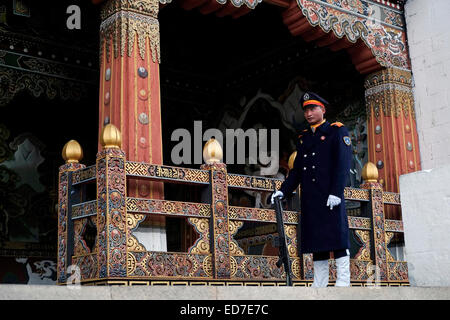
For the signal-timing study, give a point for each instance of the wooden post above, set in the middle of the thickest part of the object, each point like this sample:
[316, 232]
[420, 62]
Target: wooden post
[376, 210]
[219, 221]
[111, 206]
[219, 225]
[72, 154]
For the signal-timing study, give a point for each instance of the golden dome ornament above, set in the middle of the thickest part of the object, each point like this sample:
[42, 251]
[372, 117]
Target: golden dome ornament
[111, 138]
[72, 152]
[212, 152]
[370, 172]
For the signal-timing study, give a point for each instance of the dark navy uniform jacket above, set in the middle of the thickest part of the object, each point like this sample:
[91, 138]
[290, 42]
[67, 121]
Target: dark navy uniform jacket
[321, 167]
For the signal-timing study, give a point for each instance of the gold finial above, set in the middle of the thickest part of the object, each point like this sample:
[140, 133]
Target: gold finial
[212, 152]
[292, 159]
[111, 137]
[72, 152]
[370, 172]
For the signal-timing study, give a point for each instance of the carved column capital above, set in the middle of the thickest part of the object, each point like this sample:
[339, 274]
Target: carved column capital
[123, 21]
[390, 91]
[393, 140]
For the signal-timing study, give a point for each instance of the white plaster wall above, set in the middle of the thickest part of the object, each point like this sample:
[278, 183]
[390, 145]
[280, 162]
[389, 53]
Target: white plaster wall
[425, 195]
[425, 199]
[428, 32]
[153, 238]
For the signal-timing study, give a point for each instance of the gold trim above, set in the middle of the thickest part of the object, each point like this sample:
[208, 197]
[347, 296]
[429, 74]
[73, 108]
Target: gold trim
[394, 151]
[413, 141]
[112, 82]
[122, 75]
[217, 284]
[123, 26]
[117, 283]
[301, 283]
[135, 117]
[405, 146]
[159, 283]
[269, 284]
[149, 125]
[252, 284]
[139, 283]
[235, 284]
[201, 246]
[198, 283]
[385, 176]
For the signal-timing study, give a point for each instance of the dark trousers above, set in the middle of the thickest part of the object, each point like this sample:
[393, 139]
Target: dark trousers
[325, 255]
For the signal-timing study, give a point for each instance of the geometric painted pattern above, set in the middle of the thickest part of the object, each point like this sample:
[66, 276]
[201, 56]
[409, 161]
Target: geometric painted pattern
[215, 255]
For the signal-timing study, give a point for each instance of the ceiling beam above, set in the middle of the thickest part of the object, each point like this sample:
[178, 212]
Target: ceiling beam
[279, 3]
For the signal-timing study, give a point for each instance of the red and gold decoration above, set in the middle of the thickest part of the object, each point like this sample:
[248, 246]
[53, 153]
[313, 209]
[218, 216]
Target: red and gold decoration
[72, 153]
[111, 206]
[392, 130]
[212, 154]
[129, 171]
[130, 87]
[117, 257]
[373, 35]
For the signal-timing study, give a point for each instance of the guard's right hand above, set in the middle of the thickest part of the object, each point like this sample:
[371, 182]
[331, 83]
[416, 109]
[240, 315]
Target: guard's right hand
[276, 194]
[333, 201]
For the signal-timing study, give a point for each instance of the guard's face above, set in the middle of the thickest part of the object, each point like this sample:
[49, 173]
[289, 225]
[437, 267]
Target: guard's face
[314, 114]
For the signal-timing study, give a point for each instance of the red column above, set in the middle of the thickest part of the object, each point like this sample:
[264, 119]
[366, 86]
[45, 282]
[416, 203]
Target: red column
[129, 85]
[393, 141]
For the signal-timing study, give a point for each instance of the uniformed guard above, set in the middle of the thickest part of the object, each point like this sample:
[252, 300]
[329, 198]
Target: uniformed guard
[321, 167]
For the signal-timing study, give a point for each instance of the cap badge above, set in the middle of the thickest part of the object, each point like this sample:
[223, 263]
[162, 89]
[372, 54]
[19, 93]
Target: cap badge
[306, 96]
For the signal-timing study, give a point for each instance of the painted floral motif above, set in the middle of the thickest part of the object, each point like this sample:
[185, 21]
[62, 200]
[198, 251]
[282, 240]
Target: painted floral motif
[382, 29]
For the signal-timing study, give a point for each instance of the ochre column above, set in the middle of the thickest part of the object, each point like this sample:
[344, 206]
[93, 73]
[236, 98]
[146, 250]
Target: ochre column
[130, 90]
[392, 131]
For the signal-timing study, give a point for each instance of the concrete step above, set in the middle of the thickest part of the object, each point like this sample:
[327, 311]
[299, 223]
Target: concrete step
[42, 292]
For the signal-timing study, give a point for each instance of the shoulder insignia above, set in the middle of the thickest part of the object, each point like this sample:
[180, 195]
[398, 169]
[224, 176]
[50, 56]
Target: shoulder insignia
[347, 140]
[300, 135]
[338, 124]
[305, 130]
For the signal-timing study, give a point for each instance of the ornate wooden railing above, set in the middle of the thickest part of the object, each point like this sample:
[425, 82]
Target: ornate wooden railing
[216, 257]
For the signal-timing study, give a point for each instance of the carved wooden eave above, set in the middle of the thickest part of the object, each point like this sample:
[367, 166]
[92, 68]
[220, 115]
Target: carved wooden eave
[371, 31]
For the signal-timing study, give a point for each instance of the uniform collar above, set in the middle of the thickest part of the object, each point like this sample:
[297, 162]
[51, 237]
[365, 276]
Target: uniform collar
[323, 126]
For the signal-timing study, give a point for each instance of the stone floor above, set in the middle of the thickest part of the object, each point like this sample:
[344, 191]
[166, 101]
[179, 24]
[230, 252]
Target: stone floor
[35, 292]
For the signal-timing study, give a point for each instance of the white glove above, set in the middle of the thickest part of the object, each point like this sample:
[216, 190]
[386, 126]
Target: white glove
[333, 201]
[276, 194]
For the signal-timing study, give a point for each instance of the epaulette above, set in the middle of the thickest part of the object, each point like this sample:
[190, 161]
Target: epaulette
[338, 124]
[301, 135]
